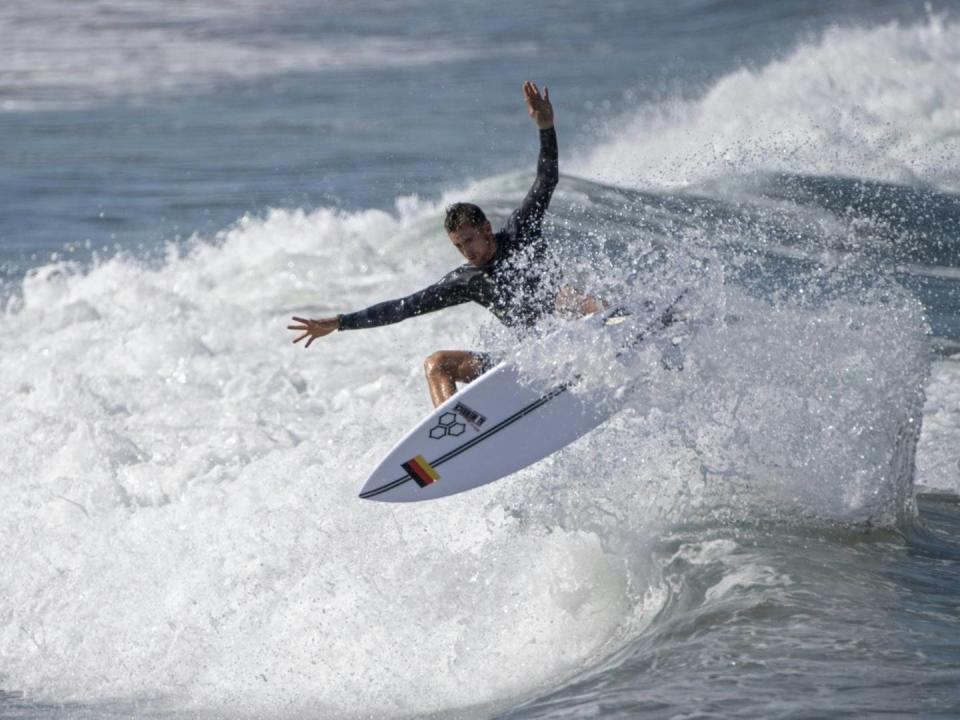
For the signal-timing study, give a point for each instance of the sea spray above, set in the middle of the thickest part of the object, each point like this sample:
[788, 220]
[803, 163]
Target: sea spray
[873, 103]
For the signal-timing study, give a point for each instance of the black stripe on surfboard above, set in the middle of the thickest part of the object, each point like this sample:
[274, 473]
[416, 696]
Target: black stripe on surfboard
[539, 402]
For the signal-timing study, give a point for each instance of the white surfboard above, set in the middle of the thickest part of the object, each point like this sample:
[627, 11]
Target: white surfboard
[494, 426]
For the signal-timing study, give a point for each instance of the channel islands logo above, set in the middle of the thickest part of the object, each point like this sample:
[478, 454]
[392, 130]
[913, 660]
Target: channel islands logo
[449, 423]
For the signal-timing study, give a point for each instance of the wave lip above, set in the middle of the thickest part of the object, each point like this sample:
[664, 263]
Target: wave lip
[877, 103]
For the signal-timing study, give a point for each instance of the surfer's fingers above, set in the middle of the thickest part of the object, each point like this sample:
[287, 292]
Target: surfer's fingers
[302, 320]
[306, 334]
[312, 338]
[296, 327]
[546, 93]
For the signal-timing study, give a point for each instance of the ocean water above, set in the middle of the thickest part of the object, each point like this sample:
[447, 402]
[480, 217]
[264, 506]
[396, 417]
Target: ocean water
[770, 532]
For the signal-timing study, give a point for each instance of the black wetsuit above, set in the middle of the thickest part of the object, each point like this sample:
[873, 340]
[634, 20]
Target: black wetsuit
[515, 285]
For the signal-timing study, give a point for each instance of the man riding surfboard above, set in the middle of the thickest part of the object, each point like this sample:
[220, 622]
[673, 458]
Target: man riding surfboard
[505, 271]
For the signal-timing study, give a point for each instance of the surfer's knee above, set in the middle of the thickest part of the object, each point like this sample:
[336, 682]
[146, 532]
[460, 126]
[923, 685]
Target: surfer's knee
[436, 362]
[572, 302]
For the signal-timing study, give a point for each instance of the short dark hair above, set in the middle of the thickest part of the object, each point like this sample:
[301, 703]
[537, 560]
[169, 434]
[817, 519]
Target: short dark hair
[461, 214]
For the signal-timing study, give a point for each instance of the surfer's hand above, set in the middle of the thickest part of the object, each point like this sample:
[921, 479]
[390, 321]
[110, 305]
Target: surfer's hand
[314, 329]
[571, 302]
[538, 105]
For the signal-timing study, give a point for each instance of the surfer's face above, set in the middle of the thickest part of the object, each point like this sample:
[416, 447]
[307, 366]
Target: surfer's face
[476, 244]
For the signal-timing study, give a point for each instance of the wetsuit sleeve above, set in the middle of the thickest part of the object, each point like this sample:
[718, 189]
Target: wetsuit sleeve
[526, 221]
[447, 292]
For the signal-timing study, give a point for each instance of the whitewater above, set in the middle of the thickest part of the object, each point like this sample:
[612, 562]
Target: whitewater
[770, 532]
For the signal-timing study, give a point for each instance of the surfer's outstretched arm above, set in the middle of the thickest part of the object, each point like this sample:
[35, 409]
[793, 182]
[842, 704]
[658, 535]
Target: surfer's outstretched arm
[451, 290]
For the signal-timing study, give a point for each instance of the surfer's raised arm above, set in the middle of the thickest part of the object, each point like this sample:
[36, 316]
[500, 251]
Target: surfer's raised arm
[504, 271]
[527, 219]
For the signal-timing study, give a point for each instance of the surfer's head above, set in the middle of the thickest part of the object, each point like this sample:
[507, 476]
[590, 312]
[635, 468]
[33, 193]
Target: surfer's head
[470, 232]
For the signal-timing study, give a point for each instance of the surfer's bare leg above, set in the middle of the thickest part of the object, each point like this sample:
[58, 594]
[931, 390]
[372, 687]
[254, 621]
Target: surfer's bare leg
[446, 368]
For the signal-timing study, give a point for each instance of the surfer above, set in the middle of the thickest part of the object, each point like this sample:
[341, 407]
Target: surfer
[506, 271]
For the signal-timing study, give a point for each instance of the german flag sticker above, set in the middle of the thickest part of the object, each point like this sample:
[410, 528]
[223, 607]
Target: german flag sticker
[420, 470]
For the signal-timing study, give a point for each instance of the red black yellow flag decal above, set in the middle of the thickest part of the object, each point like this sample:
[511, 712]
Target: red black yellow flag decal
[420, 470]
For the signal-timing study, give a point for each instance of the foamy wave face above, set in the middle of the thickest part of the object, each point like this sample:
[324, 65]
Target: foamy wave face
[872, 103]
[800, 411]
[751, 409]
[179, 495]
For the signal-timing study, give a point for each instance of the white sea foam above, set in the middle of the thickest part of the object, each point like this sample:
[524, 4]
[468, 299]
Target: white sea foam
[938, 454]
[878, 102]
[180, 493]
[179, 490]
